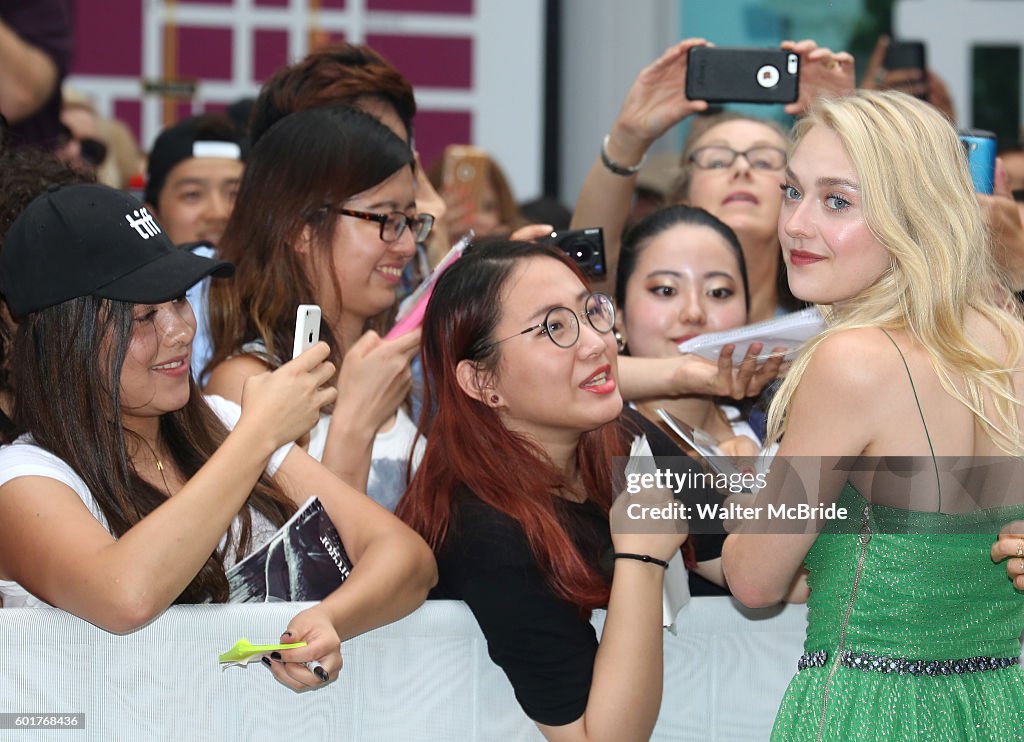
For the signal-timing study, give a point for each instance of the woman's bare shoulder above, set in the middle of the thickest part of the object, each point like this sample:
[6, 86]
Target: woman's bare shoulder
[858, 356]
[228, 377]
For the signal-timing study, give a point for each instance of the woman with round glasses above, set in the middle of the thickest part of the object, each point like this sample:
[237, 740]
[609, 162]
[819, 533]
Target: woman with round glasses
[515, 488]
[326, 215]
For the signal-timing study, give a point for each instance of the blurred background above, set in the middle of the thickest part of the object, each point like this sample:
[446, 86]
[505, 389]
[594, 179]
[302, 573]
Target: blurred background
[535, 82]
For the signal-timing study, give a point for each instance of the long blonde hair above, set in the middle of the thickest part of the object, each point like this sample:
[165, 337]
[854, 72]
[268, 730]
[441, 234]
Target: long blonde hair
[919, 202]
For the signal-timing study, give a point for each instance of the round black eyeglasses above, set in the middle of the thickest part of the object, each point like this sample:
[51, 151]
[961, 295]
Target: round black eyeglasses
[562, 325]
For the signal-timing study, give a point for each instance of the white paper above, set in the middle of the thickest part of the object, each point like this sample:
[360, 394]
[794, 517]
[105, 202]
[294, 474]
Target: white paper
[676, 591]
[789, 332]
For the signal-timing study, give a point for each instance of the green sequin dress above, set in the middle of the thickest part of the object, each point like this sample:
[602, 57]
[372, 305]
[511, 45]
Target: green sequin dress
[922, 586]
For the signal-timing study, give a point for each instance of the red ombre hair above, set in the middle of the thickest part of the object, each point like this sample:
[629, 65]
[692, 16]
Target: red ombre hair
[469, 448]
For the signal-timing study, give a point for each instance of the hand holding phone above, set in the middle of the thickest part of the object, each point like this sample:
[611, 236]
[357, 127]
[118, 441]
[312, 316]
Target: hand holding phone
[906, 65]
[307, 328]
[467, 174]
[732, 75]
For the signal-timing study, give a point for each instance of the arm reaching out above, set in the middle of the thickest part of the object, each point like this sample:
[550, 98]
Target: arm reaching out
[28, 76]
[393, 568]
[654, 104]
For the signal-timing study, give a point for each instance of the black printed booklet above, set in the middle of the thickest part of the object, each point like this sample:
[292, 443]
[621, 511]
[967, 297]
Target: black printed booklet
[304, 560]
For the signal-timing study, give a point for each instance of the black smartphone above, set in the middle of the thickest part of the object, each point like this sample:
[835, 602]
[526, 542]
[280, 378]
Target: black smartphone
[734, 75]
[905, 55]
[908, 55]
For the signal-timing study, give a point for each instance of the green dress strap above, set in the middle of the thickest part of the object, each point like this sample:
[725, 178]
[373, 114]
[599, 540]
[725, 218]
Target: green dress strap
[920, 412]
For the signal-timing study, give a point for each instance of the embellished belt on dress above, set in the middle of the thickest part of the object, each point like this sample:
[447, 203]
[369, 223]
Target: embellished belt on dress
[903, 666]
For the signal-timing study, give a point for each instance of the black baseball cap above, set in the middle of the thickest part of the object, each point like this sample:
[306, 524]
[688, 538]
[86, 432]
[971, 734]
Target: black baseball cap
[207, 135]
[92, 240]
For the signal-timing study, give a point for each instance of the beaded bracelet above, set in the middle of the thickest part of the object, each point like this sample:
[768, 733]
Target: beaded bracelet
[615, 167]
[641, 558]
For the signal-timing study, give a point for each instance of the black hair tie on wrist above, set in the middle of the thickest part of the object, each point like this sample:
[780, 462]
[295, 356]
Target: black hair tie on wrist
[642, 558]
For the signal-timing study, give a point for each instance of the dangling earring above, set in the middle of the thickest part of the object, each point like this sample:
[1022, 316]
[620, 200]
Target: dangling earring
[620, 340]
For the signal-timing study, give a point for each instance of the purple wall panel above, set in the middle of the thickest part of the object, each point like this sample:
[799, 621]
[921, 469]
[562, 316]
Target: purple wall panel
[110, 34]
[204, 53]
[130, 112]
[435, 130]
[270, 51]
[107, 38]
[182, 110]
[441, 61]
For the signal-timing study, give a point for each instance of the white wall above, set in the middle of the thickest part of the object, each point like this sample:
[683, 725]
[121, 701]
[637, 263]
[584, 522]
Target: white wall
[509, 64]
[605, 43]
[951, 28]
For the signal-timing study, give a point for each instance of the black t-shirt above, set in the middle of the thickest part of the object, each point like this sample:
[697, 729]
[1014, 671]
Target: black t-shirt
[543, 644]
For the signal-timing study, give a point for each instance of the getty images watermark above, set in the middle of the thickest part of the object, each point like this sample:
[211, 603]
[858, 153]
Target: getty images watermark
[805, 494]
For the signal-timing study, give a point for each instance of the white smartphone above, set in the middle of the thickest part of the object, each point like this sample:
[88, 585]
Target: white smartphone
[307, 328]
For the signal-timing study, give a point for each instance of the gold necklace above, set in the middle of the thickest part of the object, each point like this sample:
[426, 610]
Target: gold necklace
[159, 467]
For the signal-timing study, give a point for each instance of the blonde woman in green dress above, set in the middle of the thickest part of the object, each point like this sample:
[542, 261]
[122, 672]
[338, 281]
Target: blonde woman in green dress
[913, 625]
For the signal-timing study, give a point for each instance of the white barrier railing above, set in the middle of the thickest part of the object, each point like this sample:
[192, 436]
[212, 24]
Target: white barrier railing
[426, 677]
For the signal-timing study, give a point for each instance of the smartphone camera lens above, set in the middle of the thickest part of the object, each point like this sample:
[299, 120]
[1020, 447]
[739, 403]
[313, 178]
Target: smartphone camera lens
[768, 76]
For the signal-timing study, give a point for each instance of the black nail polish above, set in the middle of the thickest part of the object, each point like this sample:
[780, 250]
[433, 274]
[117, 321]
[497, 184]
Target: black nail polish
[275, 656]
[265, 661]
[320, 673]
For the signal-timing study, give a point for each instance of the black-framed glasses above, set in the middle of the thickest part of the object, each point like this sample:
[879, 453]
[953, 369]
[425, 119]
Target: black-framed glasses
[717, 156]
[562, 325]
[392, 225]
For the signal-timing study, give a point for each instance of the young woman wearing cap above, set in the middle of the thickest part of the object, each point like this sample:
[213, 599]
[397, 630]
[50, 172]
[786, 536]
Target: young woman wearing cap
[515, 490]
[326, 215]
[130, 491]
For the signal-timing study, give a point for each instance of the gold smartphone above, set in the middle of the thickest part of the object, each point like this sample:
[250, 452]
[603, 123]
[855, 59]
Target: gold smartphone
[467, 171]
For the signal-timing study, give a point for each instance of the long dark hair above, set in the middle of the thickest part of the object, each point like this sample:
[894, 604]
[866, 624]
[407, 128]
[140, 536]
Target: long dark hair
[307, 160]
[640, 234]
[68, 399]
[469, 448]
